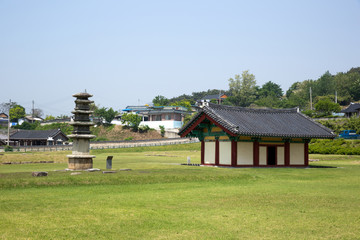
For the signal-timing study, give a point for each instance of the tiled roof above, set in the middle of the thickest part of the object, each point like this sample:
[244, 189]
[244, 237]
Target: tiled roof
[166, 111]
[2, 137]
[214, 96]
[353, 107]
[287, 123]
[35, 134]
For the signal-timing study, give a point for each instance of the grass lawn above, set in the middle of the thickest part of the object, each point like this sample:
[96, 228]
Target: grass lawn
[159, 199]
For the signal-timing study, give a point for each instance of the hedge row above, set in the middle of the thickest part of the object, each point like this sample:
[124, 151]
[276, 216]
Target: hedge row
[337, 146]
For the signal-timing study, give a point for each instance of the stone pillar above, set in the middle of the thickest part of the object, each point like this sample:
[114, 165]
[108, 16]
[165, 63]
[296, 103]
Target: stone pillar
[80, 159]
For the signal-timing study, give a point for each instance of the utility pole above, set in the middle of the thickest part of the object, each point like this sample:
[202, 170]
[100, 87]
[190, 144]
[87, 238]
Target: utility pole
[33, 112]
[311, 99]
[335, 96]
[8, 141]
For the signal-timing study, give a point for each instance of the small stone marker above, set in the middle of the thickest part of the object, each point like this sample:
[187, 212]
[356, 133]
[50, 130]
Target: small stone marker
[75, 173]
[39, 174]
[93, 169]
[188, 160]
[109, 171]
[109, 162]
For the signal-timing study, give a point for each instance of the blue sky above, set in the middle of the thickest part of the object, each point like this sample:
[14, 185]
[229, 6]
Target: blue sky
[128, 52]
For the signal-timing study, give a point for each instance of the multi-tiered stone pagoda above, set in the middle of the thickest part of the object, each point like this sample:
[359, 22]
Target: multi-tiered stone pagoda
[80, 159]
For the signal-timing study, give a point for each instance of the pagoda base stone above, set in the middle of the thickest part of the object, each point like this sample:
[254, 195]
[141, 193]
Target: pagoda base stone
[80, 163]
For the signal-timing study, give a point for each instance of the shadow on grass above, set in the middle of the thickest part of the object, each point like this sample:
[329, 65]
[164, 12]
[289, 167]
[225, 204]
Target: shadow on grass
[322, 166]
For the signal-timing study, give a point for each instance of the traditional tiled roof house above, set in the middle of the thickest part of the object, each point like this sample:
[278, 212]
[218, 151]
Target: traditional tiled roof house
[242, 137]
[39, 137]
[352, 110]
[218, 97]
[3, 139]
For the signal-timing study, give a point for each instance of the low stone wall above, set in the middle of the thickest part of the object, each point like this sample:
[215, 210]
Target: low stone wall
[107, 145]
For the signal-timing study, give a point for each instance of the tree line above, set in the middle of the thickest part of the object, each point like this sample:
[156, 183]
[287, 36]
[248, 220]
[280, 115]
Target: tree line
[318, 97]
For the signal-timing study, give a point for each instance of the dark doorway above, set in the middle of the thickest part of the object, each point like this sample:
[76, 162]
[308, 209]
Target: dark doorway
[271, 155]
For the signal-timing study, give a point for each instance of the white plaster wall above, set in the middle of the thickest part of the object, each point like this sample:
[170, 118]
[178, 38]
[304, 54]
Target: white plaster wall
[280, 156]
[209, 156]
[245, 153]
[169, 124]
[297, 154]
[262, 155]
[225, 153]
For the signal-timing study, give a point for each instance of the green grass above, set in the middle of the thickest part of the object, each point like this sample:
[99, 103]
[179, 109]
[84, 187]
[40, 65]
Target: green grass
[159, 199]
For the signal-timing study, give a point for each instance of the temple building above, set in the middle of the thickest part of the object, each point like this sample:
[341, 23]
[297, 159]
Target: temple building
[245, 137]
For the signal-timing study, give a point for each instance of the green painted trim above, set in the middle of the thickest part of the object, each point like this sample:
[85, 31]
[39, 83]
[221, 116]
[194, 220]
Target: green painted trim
[239, 140]
[214, 134]
[269, 141]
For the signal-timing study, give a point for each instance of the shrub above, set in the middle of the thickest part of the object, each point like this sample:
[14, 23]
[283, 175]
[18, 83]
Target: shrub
[131, 120]
[8, 148]
[337, 146]
[144, 128]
[128, 138]
[162, 130]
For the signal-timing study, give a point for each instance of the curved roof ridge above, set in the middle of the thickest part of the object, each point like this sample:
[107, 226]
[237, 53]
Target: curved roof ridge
[246, 109]
[317, 123]
[223, 120]
[262, 122]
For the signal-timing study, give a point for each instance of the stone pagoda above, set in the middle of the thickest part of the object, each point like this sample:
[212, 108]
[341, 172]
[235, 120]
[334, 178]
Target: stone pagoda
[80, 159]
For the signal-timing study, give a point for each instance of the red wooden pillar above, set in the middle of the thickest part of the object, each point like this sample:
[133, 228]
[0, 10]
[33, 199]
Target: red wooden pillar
[217, 151]
[233, 153]
[306, 153]
[287, 153]
[256, 149]
[202, 152]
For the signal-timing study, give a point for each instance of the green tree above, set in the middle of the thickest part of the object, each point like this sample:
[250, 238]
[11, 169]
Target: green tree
[105, 114]
[132, 120]
[327, 106]
[325, 85]
[242, 89]
[160, 101]
[292, 89]
[17, 112]
[184, 103]
[27, 126]
[355, 85]
[295, 100]
[298, 95]
[270, 89]
[62, 116]
[49, 117]
[269, 95]
[269, 101]
[188, 117]
[64, 127]
[162, 130]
